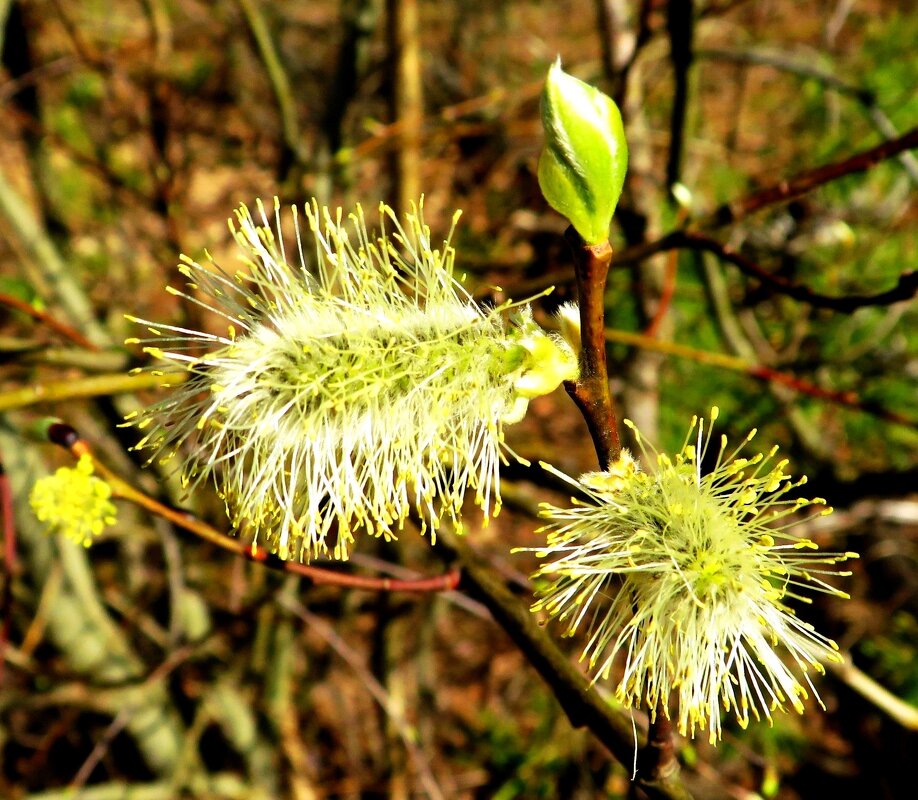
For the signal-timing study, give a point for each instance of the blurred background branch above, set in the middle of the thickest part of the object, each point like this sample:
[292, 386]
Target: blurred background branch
[764, 260]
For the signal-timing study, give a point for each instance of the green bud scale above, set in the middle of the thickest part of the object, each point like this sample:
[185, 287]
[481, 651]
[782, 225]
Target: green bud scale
[582, 168]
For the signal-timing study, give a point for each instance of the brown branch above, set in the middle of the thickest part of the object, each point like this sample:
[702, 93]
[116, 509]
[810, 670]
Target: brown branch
[65, 436]
[847, 398]
[48, 319]
[738, 209]
[810, 179]
[591, 390]
[905, 289]
[578, 699]
[680, 20]
[657, 758]
[594, 399]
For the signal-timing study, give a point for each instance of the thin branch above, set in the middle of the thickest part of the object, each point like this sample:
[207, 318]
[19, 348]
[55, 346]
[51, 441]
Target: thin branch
[406, 730]
[680, 27]
[85, 49]
[810, 179]
[583, 706]
[124, 715]
[48, 266]
[593, 397]
[65, 436]
[760, 58]
[93, 386]
[905, 289]
[905, 714]
[849, 399]
[48, 319]
[280, 83]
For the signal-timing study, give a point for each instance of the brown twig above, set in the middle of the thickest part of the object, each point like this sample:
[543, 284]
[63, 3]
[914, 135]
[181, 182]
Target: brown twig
[591, 390]
[667, 293]
[847, 398]
[810, 179]
[583, 706]
[905, 289]
[594, 399]
[689, 236]
[657, 758]
[48, 319]
[65, 436]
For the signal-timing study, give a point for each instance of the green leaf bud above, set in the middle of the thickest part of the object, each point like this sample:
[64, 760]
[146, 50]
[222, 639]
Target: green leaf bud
[582, 168]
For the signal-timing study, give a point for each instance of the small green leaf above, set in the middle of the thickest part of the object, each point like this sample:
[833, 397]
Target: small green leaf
[582, 168]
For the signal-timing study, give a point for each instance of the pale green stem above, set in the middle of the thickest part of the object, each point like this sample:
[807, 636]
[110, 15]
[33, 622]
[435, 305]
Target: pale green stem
[900, 711]
[94, 386]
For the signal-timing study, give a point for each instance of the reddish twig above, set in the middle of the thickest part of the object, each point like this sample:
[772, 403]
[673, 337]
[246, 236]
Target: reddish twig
[905, 289]
[62, 328]
[731, 212]
[666, 295]
[65, 436]
[591, 390]
[848, 398]
[810, 179]
[594, 399]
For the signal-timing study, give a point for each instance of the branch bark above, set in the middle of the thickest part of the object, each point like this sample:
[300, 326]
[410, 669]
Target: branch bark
[583, 706]
[591, 390]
